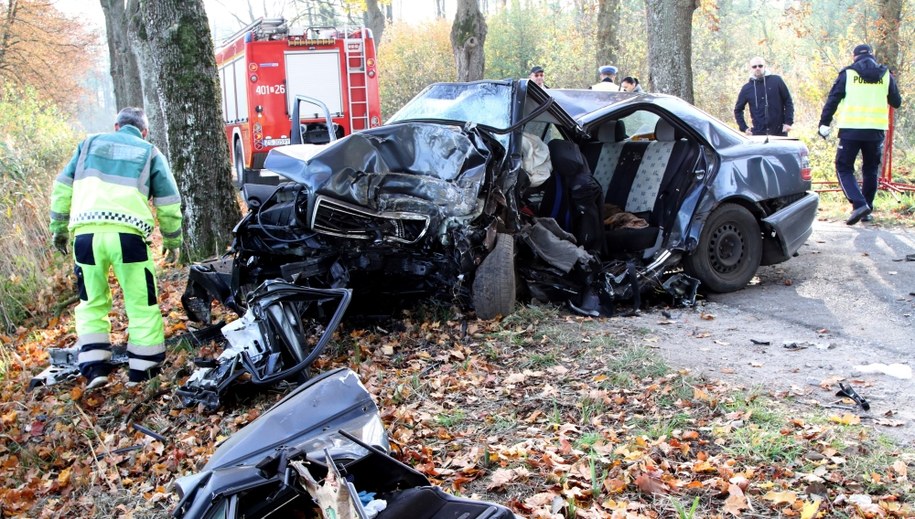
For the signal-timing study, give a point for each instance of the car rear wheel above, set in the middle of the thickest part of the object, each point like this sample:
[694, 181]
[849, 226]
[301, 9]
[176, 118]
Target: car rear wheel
[729, 250]
[238, 172]
[494, 282]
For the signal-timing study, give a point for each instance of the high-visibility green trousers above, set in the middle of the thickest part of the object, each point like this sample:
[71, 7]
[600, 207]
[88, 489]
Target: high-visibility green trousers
[97, 249]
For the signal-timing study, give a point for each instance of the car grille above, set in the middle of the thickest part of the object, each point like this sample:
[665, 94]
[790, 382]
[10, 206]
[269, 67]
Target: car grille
[348, 221]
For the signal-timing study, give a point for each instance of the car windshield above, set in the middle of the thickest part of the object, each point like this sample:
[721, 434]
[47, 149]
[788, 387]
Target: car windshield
[485, 103]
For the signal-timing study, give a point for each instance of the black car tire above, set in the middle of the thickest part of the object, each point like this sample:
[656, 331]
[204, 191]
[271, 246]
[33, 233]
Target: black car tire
[729, 251]
[238, 171]
[494, 283]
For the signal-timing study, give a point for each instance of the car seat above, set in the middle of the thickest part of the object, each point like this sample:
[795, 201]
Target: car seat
[572, 196]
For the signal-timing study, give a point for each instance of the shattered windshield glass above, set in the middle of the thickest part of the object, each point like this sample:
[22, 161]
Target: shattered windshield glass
[481, 103]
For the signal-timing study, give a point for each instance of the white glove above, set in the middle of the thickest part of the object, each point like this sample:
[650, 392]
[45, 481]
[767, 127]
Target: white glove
[171, 256]
[824, 131]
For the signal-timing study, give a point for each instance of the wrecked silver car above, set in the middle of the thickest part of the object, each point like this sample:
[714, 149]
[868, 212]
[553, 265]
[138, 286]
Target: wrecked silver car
[320, 452]
[491, 191]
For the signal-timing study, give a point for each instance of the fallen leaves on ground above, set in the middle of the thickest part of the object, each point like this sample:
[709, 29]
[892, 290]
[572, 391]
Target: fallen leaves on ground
[543, 412]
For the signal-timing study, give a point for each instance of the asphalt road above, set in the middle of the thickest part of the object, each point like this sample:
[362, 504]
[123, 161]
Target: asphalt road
[846, 302]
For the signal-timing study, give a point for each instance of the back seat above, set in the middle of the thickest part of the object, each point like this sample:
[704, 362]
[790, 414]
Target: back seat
[647, 180]
[604, 156]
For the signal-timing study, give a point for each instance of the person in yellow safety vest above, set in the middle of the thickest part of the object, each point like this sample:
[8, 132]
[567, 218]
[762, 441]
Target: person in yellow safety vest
[607, 79]
[860, 94]
[102, 196]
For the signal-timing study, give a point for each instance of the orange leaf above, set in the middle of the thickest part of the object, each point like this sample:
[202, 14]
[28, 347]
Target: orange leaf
[901, 469]
[703, 466]
[846, 419]
[736, 501]
[9, 418]
[63, 479]
[650, 485]
[614, 486]
[787, 497]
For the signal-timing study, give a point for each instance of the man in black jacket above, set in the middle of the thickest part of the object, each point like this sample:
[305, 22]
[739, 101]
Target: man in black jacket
[861, 94]
[771, 108]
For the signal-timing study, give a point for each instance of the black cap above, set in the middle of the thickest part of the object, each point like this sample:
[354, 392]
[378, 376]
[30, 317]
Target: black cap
[863, 50]
[536, 68]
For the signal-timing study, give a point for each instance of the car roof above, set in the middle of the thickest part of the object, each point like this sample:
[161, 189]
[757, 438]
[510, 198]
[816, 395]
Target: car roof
[593, 106]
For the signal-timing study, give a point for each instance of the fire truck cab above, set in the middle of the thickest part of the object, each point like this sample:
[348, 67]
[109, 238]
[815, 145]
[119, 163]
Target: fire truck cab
[264, 66]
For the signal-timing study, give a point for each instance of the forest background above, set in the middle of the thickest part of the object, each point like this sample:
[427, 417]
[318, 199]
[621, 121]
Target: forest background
[56, 86]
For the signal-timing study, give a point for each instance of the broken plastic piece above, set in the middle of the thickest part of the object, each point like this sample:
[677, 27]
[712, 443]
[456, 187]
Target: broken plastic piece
[847, 391]
[284, 330]
[65, 367]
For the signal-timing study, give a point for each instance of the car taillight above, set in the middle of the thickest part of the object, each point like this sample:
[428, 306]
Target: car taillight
[805, 165]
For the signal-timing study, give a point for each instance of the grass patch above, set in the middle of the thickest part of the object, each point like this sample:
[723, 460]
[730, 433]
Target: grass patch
[756, 408]
[542, 360]
[632, 364]
[654, 427]
[451, 419]
[759, 444]
[590, 408]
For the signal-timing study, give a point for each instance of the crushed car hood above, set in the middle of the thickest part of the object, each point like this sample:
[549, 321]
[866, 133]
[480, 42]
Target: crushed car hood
[402, 167]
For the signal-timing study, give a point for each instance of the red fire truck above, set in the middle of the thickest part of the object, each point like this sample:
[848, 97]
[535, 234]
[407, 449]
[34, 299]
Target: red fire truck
[264, 66]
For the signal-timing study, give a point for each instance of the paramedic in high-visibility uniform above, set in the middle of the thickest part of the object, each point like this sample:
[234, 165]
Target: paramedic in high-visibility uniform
[861, 94]
[102, 197]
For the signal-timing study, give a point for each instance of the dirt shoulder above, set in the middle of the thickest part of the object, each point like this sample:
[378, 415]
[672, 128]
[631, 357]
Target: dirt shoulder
[846, 302]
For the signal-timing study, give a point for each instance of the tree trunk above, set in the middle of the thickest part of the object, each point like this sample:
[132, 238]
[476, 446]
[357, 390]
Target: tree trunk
[149, 79]
[468, 34]
[7, 32]
[886, 43]
[669, 28]
[128, 90]
[608, 20]
[374, 20]
[182, 61]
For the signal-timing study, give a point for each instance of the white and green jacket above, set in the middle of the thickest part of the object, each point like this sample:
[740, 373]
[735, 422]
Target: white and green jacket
[109, 182]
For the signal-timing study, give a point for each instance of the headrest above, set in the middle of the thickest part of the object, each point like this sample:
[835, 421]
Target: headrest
[664, 131]
[567, 158]
[612, 131]
[607, 132]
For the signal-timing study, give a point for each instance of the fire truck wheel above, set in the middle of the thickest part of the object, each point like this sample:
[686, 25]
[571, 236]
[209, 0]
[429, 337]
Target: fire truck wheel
[494, 283]
[238, 172]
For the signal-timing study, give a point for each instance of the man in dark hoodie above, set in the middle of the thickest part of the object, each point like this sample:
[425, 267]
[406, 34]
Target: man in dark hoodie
[861, 94]
[771, 108]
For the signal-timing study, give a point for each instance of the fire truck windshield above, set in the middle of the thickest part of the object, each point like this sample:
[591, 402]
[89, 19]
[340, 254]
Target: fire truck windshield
[484, 103]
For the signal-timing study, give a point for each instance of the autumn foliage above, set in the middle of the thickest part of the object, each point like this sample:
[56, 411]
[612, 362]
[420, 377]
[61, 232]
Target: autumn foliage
[41, 48]
[552, 415]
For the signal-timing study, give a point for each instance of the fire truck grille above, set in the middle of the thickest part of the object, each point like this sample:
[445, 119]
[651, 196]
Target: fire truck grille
[336, 218]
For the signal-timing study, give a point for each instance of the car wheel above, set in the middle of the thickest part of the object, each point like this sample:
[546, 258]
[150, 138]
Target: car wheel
[238, 172]
[729, 250]
[494, 282]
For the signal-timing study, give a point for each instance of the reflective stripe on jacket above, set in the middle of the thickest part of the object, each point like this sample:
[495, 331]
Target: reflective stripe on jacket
[110, 180]
[865, 102]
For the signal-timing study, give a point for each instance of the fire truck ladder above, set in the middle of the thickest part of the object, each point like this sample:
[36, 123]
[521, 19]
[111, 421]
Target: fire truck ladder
[262, 27]
[358, 71]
